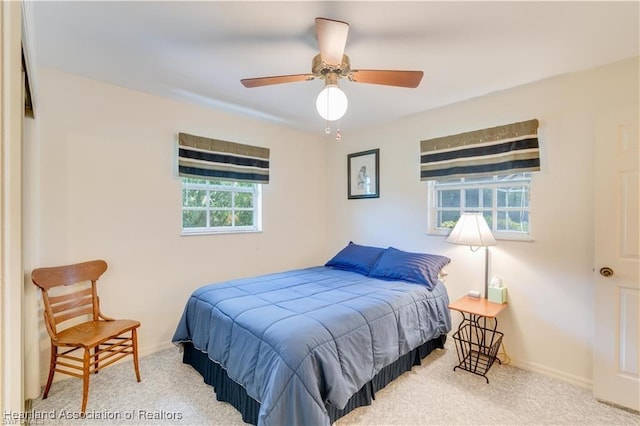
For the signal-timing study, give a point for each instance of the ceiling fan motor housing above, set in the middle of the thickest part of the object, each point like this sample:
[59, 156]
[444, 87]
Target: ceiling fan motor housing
[330, 72]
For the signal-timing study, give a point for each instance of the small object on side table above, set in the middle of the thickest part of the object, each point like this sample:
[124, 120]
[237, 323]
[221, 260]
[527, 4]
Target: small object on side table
[477, 343]
[497, 294]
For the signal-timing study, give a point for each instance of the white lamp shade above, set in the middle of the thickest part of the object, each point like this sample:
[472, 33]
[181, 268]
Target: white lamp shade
[472, 230]
[331, 102]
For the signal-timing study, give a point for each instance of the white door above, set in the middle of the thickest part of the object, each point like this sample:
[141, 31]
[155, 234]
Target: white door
[616, 358]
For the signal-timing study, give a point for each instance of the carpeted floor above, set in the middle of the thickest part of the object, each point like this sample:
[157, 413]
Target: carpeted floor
[172, 393]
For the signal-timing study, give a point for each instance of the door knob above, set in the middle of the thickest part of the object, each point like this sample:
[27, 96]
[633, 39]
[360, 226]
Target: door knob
[606, 271]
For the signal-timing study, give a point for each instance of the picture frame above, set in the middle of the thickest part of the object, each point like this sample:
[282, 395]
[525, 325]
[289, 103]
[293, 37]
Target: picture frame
[363, 174]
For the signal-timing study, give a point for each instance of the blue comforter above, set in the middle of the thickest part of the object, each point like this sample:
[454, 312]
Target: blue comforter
[301, 339]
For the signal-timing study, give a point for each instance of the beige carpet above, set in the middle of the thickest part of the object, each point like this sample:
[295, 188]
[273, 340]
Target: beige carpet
[172, 393]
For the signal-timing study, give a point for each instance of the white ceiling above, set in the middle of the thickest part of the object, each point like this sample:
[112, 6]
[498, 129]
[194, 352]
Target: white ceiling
[199, 51]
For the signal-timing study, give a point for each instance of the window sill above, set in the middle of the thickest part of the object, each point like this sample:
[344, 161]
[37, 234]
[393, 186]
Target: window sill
[499, 236]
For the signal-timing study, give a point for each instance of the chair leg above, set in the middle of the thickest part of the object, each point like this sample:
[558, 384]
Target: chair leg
[134, 338]
[95, 359]
[85, 378]
[52, 369]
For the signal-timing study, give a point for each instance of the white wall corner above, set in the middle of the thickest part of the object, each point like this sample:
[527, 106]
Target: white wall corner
[11, 290]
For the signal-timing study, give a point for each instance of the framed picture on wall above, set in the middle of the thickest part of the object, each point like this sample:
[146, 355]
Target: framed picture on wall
[363, 174]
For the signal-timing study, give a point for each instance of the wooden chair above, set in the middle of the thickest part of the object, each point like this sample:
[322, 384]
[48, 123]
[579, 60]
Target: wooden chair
[109, 339]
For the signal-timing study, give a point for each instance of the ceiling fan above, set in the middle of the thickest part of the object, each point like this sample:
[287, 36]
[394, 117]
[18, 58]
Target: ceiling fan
[331, 64]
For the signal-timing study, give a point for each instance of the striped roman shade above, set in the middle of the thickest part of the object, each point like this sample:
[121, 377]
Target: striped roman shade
[512, 148]
[204, 158]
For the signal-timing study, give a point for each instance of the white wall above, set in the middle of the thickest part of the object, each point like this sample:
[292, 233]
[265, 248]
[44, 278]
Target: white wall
[11, 239]
[548, 324]
[108, 188]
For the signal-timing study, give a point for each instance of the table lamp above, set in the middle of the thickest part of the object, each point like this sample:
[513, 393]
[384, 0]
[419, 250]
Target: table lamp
[472, 230]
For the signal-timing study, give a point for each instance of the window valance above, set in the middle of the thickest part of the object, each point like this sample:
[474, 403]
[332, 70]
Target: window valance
[512, 148]
[204, 158]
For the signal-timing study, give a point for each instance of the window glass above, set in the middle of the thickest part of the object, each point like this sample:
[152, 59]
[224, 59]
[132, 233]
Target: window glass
[472, 197]
[449, 198]
[193, 219]
[244, 200]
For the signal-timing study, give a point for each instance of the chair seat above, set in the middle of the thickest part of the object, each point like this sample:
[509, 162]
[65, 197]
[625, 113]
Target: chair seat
[91, 333]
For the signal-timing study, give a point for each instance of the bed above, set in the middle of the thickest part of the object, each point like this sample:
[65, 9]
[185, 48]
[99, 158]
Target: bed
[306, 346]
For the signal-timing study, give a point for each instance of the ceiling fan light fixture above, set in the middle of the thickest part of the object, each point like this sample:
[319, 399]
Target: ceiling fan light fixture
[332, 103]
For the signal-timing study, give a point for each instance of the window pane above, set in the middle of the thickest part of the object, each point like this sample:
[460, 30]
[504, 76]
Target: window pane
[220, 218]
[502, 221]
[194, 198]
[489, 218]
[487, 198]
[513, 197]
[244, 218]
[501, 197]
[514, 221]
[448, 219]
[472, 198]
[220, 199]
[245, 184]
[449, 198]
[194, 219]
[518, 197]
[518, 221]
[244, 200]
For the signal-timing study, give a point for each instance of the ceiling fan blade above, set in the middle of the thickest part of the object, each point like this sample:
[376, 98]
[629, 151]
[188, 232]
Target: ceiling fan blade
[332, 38]
[279, 79]
[409, 79]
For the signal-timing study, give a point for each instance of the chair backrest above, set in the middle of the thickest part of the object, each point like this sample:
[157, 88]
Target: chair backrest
[78, 302]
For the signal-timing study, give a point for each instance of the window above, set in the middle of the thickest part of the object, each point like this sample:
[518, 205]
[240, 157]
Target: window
[502, 199]
[212, 206]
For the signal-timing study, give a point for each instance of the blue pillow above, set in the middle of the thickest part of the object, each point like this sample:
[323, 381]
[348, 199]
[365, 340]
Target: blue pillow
[420, 268]
[356, 258]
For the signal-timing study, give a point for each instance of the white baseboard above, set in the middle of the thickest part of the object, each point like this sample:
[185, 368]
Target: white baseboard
[541, 369]
[142, 352]
[553, 373]
[148, 350]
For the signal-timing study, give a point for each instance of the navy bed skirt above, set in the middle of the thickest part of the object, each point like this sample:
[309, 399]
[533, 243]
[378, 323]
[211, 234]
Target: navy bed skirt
[229, 391]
